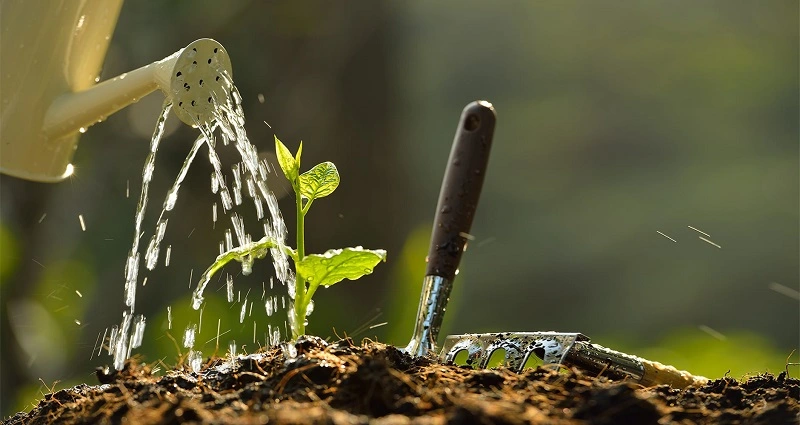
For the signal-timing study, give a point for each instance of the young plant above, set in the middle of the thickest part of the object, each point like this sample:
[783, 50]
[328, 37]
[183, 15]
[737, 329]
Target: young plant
[311, 270]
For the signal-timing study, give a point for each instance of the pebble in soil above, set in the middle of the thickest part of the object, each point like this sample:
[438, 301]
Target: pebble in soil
[347, 383]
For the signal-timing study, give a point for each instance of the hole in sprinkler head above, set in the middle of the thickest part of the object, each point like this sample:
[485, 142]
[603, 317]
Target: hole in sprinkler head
[178, 74]
[209, 99]
[472, 123]
[194, 48]
[216, 49]
[217, 79]
[209, 61]
[201, 82]
[193, 103]
[180, 103]
[194, 62]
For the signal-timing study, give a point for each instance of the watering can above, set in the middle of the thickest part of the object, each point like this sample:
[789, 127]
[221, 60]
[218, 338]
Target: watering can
[52, 53]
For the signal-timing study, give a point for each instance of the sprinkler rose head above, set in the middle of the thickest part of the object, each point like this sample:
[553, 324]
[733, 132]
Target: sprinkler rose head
[200, 78]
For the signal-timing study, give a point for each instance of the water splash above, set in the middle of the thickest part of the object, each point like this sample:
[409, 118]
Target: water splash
[188, 336]
[195, 360]
[249, 180]
[229, 287]
[120, 349]
[132, 269]
[151, 255]
[232, 354]
[121, 341]
[243, 311]
[138, 332]
[289, 351]
[251, 170]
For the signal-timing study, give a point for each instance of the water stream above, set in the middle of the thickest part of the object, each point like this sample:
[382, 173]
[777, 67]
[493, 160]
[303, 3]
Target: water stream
[249, 180]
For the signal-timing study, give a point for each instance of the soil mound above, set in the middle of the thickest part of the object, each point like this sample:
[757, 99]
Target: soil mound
[343, 383]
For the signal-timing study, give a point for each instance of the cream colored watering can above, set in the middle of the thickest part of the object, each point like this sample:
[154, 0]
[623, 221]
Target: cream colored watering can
[51, 54]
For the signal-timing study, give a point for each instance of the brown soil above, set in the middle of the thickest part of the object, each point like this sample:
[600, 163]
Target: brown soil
[343, 383]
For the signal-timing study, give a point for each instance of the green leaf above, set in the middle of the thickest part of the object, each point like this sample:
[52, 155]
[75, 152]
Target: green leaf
[297, 155]
[244, 254]
[319, 181]
[339, 264]
[290, 166]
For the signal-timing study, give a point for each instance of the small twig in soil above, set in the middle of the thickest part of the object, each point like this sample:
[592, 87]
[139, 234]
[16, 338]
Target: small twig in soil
[605, 368]
[49, 389]
[402, 377]
[177, 347]
[291, 374]
[157, 365]
[788, 363]
[313, 396]
[263, 372]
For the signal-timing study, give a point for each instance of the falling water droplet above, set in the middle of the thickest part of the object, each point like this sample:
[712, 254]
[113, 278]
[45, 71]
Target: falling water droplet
[138, 332]
[289, 351]
[195, 360]
[229, 286]
[169, 253]
[188, 336]
[232, 354]
[228, 240]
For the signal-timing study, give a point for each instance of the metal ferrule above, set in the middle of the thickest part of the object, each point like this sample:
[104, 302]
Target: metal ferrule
[598, 360]
[432, 305]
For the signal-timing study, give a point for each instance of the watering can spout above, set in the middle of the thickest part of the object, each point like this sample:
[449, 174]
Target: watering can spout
[71, 112]
[49, 96]
[179, 76]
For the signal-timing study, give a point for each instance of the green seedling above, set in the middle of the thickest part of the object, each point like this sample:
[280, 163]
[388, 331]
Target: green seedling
[312, 270]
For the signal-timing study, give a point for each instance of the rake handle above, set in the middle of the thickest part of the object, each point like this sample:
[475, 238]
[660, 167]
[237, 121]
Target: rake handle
[656, 373]
[461, 189]
[596, 359]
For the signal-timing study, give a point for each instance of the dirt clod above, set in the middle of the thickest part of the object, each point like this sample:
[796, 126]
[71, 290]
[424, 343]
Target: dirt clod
[343, 383]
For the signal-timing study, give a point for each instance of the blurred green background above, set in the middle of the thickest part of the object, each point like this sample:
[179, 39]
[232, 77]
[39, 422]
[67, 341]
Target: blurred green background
[615, 122]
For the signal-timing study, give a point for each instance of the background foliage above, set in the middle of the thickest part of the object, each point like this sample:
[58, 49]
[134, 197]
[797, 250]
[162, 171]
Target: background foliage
[615, 121]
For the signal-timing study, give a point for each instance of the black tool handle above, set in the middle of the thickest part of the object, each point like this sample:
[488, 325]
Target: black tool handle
[461, 188]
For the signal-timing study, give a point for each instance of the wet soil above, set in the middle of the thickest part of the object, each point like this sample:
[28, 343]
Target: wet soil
[344, 383]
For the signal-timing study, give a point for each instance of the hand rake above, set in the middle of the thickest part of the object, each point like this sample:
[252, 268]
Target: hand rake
[458, 200]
